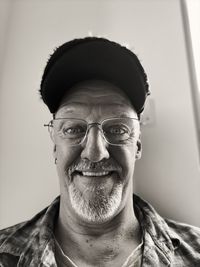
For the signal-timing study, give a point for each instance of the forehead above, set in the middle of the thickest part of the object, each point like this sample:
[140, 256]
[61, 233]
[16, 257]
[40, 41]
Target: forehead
[95, 94]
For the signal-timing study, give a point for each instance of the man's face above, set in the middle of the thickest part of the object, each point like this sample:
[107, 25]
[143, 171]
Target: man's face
[95, 176]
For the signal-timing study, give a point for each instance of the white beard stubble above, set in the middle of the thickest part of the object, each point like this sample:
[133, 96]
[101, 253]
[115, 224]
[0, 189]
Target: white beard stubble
[100, 208]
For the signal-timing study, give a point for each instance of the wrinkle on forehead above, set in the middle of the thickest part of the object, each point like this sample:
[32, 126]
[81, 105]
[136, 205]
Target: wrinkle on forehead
[95, 100]
[100, 91]
[87, 110]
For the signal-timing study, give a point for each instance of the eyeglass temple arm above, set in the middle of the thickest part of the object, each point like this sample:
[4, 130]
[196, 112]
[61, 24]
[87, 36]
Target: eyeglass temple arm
[47, 125]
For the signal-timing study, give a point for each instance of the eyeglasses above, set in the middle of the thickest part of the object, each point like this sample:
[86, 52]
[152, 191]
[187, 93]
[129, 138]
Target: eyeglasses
[115, 131]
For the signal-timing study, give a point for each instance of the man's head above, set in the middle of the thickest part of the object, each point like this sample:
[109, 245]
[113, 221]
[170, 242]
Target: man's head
[96, 173]
[95, 130]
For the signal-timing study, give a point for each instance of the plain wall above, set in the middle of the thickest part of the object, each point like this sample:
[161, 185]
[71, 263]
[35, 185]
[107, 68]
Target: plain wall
[168, 175]
[5, 8]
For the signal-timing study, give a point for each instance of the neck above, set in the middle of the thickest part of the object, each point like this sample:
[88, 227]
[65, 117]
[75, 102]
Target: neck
[107, 241]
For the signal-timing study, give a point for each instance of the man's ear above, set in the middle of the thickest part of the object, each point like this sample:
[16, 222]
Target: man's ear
[139, 149]
[53, 140]
[54, 152]
[51, 133]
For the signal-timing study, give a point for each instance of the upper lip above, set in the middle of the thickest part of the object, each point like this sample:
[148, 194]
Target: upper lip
[98, 169]
[95, 173]
[91, 172]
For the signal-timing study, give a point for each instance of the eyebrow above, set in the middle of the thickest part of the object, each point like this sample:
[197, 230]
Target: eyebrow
[76, 103]
[71, 107]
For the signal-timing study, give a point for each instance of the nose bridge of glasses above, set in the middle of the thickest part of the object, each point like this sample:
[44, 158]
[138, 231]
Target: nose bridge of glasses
[92, 125]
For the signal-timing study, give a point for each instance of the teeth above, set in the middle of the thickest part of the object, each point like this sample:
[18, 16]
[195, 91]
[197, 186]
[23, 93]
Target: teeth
[95, 173]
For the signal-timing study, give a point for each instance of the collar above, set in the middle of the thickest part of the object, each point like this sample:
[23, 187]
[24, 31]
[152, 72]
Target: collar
[156, 233]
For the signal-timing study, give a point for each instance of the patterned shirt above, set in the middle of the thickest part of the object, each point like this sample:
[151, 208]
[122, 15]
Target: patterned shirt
[165, 242]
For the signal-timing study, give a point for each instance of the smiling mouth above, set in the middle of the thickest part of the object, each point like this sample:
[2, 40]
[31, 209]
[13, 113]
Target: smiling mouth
[93, 173]
[90, 182]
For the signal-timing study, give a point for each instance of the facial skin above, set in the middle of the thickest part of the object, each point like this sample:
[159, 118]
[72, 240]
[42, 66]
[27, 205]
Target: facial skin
[93, 197]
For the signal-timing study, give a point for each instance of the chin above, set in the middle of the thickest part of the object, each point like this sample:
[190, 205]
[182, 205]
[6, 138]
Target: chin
[99, 207]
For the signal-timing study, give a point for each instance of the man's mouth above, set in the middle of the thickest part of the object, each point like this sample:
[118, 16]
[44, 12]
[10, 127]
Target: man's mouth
[93, 173]
[87, 169]
[90, 181]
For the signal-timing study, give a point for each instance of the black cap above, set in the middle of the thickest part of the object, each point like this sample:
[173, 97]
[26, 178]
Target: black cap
[93, 58]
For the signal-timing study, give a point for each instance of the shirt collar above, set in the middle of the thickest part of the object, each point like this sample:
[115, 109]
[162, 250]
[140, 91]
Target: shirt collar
[155, 228]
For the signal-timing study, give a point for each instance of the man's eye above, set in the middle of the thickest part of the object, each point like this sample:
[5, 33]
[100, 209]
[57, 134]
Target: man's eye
[73, 131]
[116, 130]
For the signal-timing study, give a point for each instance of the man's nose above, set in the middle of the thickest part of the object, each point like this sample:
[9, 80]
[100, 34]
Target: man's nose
[95, 146]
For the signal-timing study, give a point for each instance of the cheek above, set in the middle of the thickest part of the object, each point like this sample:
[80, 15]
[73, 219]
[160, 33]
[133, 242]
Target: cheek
[125, 157]
[65, 157]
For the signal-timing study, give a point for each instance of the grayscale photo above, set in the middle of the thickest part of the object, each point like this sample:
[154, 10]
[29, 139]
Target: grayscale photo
[100, 133]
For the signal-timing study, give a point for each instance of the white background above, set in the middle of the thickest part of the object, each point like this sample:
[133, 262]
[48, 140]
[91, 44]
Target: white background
[168, 175]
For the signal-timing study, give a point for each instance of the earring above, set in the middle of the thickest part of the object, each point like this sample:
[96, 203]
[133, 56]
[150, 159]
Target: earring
[55, 161]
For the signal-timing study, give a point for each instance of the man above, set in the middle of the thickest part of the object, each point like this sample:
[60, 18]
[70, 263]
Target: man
[96, 90]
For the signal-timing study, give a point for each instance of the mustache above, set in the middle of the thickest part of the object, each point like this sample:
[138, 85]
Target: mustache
[86, 165]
